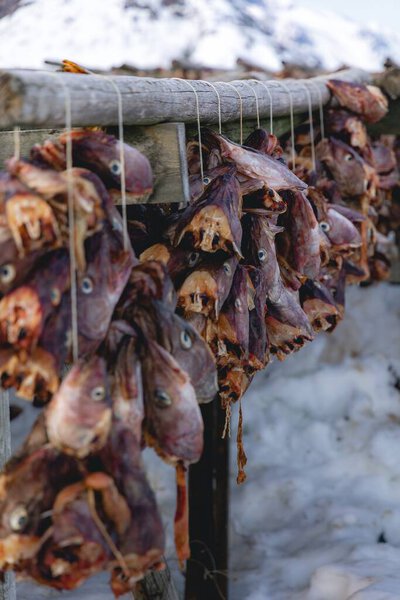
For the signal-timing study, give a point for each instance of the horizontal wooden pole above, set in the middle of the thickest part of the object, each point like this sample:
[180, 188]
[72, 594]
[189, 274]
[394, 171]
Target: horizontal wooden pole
[37, 98]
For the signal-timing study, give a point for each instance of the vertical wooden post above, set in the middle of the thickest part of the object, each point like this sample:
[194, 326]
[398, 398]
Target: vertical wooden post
[206, 575]
[7, 580]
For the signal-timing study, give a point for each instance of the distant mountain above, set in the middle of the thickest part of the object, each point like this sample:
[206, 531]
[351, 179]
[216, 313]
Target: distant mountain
[209, 33]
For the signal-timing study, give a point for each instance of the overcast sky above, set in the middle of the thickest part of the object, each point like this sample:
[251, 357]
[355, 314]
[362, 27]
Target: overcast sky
[381, 12]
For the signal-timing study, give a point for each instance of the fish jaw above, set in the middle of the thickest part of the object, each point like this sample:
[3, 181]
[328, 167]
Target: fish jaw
[32, 223]
[199, 294]
[212, 231]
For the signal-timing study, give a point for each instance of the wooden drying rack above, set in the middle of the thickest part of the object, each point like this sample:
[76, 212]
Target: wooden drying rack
[157, 114]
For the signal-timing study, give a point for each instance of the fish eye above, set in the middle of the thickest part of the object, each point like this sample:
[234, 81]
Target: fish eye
[186, 340]
[227, 268]
[87, 285]
[115, 167]
[271, 193]
[325, 226]
[262, 254]
[206, 180]
[193, 259]
[19, 518]
[348, 157]
[7, 273]
[238, 303]
[98, 393]
[55, 296]
[162, 399]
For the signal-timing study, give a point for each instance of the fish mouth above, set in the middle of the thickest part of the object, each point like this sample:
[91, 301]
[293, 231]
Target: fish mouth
[20, 317]
[198, 293]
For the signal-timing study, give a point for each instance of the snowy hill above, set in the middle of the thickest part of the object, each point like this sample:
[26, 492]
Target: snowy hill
[213, 33]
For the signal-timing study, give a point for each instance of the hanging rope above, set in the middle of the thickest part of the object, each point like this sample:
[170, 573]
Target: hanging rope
[198, 124]
[311, 119]
[241, 109]
[219, 105]
[287, 90]
[257, 107]
[271, 118]
[17, 142]
[321, 108]
[122, 160]
[71, 219]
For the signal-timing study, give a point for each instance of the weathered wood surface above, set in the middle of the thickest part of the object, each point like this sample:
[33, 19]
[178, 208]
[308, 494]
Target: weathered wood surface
[37, 98]
[164, 145]
[7, 580]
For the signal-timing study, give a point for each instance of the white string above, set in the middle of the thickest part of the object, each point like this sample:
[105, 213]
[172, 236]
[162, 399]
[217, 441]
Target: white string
[198, 124]
[256, 97]
[17, 142]
[121, 160]
[71, 219]
[310, 116]
[271, 118]
[219, 105]
[321, 108]
[285, 87]
[241, 108]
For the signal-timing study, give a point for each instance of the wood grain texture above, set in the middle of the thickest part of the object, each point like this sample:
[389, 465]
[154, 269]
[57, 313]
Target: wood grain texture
[37, 98]
[163, 144]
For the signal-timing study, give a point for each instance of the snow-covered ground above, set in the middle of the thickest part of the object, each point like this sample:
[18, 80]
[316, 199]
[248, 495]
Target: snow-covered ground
[152, 33]
[319, 515]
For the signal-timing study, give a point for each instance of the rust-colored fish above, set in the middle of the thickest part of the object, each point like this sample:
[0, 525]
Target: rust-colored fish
[319, 305]
[347, 167]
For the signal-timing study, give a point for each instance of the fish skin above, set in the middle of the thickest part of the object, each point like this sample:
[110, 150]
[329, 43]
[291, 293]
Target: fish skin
[25, 310]
[302, 229]
[100, 153]
[180, 262]
[348, 126]
[30, 481]
[347, 167]
[174, 430]
[230, 342]
[258, 339]
[78, 418]
[108, 268]
[206, 289]
[185, 344]
[253, 163]
[319, 305]
[365, 100]
[142, 541]
[212, 221]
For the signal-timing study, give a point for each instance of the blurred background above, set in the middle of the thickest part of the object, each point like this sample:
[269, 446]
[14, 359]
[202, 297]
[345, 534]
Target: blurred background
[202, 37]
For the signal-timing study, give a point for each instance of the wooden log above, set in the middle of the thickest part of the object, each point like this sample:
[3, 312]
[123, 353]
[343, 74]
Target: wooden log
[37, 98]
[164, 145]
[7, 580]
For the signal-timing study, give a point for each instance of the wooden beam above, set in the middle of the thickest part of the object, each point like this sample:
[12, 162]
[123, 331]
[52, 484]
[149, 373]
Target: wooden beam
[37, 98]
[164, 145]
[157, 585]
[206, 571]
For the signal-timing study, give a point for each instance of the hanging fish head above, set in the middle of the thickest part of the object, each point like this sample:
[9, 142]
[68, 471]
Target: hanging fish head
[206, 289]
[101, 153]
[365, 100]
[173, 423]
[347, 167]
[212, 221]
[28, 487]
[78, 417]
